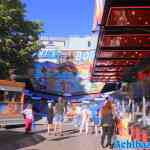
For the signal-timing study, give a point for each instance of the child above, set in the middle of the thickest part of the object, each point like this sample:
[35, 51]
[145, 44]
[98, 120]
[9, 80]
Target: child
[28, 114]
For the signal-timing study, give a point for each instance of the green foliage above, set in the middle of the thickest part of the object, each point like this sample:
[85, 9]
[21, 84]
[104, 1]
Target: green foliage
[18, 38]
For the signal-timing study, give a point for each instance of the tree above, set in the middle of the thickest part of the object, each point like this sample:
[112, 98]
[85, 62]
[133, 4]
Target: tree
[18, 38]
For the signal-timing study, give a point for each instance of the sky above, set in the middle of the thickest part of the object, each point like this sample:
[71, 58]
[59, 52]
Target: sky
[62, 17]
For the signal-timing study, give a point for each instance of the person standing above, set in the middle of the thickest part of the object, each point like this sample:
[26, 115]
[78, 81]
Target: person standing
[28, 115]
[59, 111]
[50, 116]
[85, 115]
[77, 118]
[95, 117]
[107, 123]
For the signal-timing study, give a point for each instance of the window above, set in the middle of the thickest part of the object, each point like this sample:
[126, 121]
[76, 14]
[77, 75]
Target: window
[89, 43]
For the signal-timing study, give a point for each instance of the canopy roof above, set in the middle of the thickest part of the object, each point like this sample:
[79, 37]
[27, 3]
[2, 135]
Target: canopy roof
[6, 85]
[124, 39]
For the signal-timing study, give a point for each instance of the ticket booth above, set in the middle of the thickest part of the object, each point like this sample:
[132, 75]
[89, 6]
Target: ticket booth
[11, 102]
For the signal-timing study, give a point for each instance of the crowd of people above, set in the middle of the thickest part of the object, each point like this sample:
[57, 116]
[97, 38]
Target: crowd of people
[103, 119]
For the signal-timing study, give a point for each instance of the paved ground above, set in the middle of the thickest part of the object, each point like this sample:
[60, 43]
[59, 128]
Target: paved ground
[15, 139]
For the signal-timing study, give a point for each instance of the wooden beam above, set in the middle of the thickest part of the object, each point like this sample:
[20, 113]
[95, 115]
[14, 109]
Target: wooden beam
[109, 71]
[113, 66]
[127, 48]
[118, 58]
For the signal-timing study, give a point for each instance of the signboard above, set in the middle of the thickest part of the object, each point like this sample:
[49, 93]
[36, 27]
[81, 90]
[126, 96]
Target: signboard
[79, 57]
[69, 73]
[53, 43]
[99, 9]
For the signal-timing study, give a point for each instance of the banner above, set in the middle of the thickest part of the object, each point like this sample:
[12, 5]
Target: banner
[99, 10]
[65, 72]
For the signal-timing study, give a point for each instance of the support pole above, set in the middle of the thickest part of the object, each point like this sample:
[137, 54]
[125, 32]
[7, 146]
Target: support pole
[144, 110]
[133, 111]
[123, 106]
[22, 100]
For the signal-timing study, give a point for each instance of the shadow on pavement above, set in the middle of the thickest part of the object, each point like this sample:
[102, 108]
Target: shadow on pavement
[67, 132]
[61, 138]
[32, 149]
[73, 131]
[12, 140]
[41, 131]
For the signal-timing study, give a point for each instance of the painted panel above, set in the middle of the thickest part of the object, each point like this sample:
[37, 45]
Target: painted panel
[62, 72]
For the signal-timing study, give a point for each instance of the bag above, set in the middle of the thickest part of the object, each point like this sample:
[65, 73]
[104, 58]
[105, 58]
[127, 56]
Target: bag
[105, 125]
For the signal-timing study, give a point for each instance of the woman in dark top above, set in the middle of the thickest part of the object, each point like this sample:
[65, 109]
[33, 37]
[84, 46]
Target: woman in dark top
[107, 122]
[50, 116]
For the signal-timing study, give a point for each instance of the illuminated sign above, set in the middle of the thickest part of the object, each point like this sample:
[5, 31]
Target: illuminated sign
[99, 9]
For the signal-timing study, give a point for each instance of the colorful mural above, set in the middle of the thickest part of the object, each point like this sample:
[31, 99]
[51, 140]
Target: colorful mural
[65, 72]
